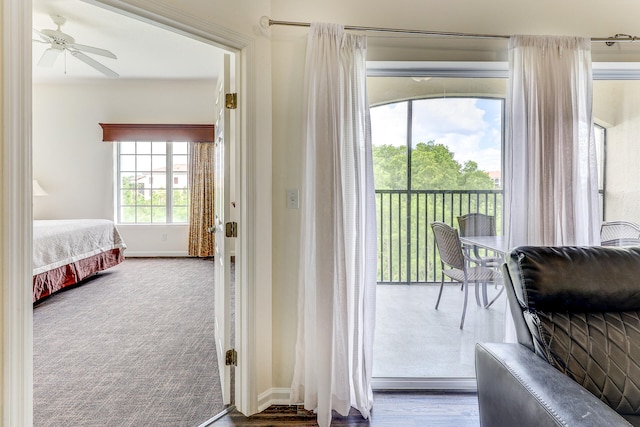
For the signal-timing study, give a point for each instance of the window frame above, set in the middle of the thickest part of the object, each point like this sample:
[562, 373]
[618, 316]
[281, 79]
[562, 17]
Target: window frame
[169, 186]
[409, 142]
[153, 132]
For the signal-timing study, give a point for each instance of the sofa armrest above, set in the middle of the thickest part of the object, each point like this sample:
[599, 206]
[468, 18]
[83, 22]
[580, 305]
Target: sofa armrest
[517, 387]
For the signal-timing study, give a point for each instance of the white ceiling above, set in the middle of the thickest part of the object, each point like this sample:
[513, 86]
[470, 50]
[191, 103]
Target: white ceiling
[144, 51]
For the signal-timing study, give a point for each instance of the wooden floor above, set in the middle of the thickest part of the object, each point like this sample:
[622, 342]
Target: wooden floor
[390, 409]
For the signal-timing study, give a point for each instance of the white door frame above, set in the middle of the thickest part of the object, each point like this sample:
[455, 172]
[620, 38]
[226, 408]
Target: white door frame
[16, 231]
[16, 197]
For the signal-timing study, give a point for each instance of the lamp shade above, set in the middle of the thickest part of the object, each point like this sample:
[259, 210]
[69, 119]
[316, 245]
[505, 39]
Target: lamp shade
[37, 189]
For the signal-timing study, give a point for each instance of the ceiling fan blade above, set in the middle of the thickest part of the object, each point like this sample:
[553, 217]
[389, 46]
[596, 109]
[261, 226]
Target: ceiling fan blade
[49, 57]
[93, 63]
[94, 50]
[43, 37]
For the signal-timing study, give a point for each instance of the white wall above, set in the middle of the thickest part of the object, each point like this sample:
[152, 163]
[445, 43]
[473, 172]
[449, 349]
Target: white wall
[76, 168]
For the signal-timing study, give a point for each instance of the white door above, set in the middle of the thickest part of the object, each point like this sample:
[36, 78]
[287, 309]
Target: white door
[222, 258]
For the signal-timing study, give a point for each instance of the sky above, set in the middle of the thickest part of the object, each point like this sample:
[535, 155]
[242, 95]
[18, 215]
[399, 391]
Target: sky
[470, 127]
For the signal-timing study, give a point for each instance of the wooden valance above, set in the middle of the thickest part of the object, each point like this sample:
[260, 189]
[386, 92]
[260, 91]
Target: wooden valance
[157, 132]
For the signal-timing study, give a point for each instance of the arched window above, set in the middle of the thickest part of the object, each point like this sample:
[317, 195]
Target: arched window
[434, 159]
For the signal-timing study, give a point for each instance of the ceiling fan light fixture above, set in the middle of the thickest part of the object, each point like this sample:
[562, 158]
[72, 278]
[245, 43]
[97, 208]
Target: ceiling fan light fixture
[58, 36]
[59, 42]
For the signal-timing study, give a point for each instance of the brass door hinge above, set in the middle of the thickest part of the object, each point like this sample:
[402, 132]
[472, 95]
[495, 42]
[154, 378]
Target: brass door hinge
[231, 101]
[231, 229]
[231, 358]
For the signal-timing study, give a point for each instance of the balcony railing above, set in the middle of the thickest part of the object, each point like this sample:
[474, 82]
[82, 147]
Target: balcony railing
[406, 248]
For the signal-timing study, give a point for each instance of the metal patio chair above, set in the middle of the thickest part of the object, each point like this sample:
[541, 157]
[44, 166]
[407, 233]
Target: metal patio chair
[457, 266]
[477, 224]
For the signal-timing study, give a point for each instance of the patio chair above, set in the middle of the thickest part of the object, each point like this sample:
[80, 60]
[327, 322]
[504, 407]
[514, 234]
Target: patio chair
[619, 233]
[477, 224]
[457, 266]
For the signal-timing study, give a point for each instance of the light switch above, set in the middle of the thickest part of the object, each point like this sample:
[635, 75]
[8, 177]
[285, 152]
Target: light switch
[292, 199]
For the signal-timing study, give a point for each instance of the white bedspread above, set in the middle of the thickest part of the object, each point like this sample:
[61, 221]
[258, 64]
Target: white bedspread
[60, 242]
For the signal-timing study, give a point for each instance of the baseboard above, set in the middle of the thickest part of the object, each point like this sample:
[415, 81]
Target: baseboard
[435, 384]
[282, 396]
[143, 254]
[274, 396]
[172, 254]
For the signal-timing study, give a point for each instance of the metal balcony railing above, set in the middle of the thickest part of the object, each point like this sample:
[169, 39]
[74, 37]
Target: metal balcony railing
[406, 248]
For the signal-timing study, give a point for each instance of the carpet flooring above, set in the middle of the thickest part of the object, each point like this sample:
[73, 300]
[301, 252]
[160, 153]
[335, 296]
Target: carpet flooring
[132, 346]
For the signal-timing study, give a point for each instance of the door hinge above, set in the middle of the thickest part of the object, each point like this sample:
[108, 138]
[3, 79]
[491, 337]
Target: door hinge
[232, 229]
[231, 357]
[231, 101]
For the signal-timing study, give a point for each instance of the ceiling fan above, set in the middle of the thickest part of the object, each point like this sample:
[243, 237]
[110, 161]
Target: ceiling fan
[60, 42]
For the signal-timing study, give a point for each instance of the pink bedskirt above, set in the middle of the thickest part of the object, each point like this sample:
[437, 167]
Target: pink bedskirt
[51, 281]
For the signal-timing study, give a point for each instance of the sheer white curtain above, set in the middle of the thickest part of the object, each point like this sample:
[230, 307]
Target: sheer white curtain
[551, 186]
[551, 190]
[336, 301]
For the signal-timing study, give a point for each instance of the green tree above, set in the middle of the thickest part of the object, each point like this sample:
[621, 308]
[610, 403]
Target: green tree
[390, 167]
[473, 178]
[139, 207]
[433, 167]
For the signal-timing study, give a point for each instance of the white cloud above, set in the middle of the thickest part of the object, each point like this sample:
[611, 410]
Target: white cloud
[389, 124]
[457, 123]
[445, 114]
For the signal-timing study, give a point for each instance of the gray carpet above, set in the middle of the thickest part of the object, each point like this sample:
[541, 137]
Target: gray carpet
[133, 346]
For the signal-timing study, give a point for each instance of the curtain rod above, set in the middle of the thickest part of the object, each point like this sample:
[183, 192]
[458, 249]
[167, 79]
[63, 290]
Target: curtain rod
[266, 22]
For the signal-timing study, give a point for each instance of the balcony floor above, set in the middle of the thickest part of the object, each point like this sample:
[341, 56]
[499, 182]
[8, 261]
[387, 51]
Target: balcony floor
[414, 340]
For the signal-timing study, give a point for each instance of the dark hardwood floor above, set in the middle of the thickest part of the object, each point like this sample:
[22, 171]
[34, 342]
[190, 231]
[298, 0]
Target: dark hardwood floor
[390, 409]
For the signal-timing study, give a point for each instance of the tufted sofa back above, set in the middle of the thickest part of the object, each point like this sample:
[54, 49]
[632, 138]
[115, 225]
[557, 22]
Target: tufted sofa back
[579, 309]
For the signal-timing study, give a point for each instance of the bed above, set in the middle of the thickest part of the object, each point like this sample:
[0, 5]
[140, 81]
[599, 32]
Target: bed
[66, 252]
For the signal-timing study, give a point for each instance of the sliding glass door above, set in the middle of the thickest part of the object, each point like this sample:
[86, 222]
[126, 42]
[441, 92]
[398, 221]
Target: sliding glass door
[438, 140]
[437, 148]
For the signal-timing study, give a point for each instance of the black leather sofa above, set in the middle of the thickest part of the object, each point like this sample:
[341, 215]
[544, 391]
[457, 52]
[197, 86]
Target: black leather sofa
[577, 360]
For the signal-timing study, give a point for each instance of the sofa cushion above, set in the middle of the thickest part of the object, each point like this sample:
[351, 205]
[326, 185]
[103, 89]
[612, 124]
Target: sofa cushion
[576, 279]
[600, 351]
[582, 308]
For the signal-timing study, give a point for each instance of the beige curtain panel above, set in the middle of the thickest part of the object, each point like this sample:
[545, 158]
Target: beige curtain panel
[201, 161]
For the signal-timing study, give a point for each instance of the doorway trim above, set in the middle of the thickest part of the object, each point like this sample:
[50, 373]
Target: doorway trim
[17, 306]
[16, 196]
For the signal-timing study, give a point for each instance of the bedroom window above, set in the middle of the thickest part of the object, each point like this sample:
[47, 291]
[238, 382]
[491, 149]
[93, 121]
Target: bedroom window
[152, 185]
